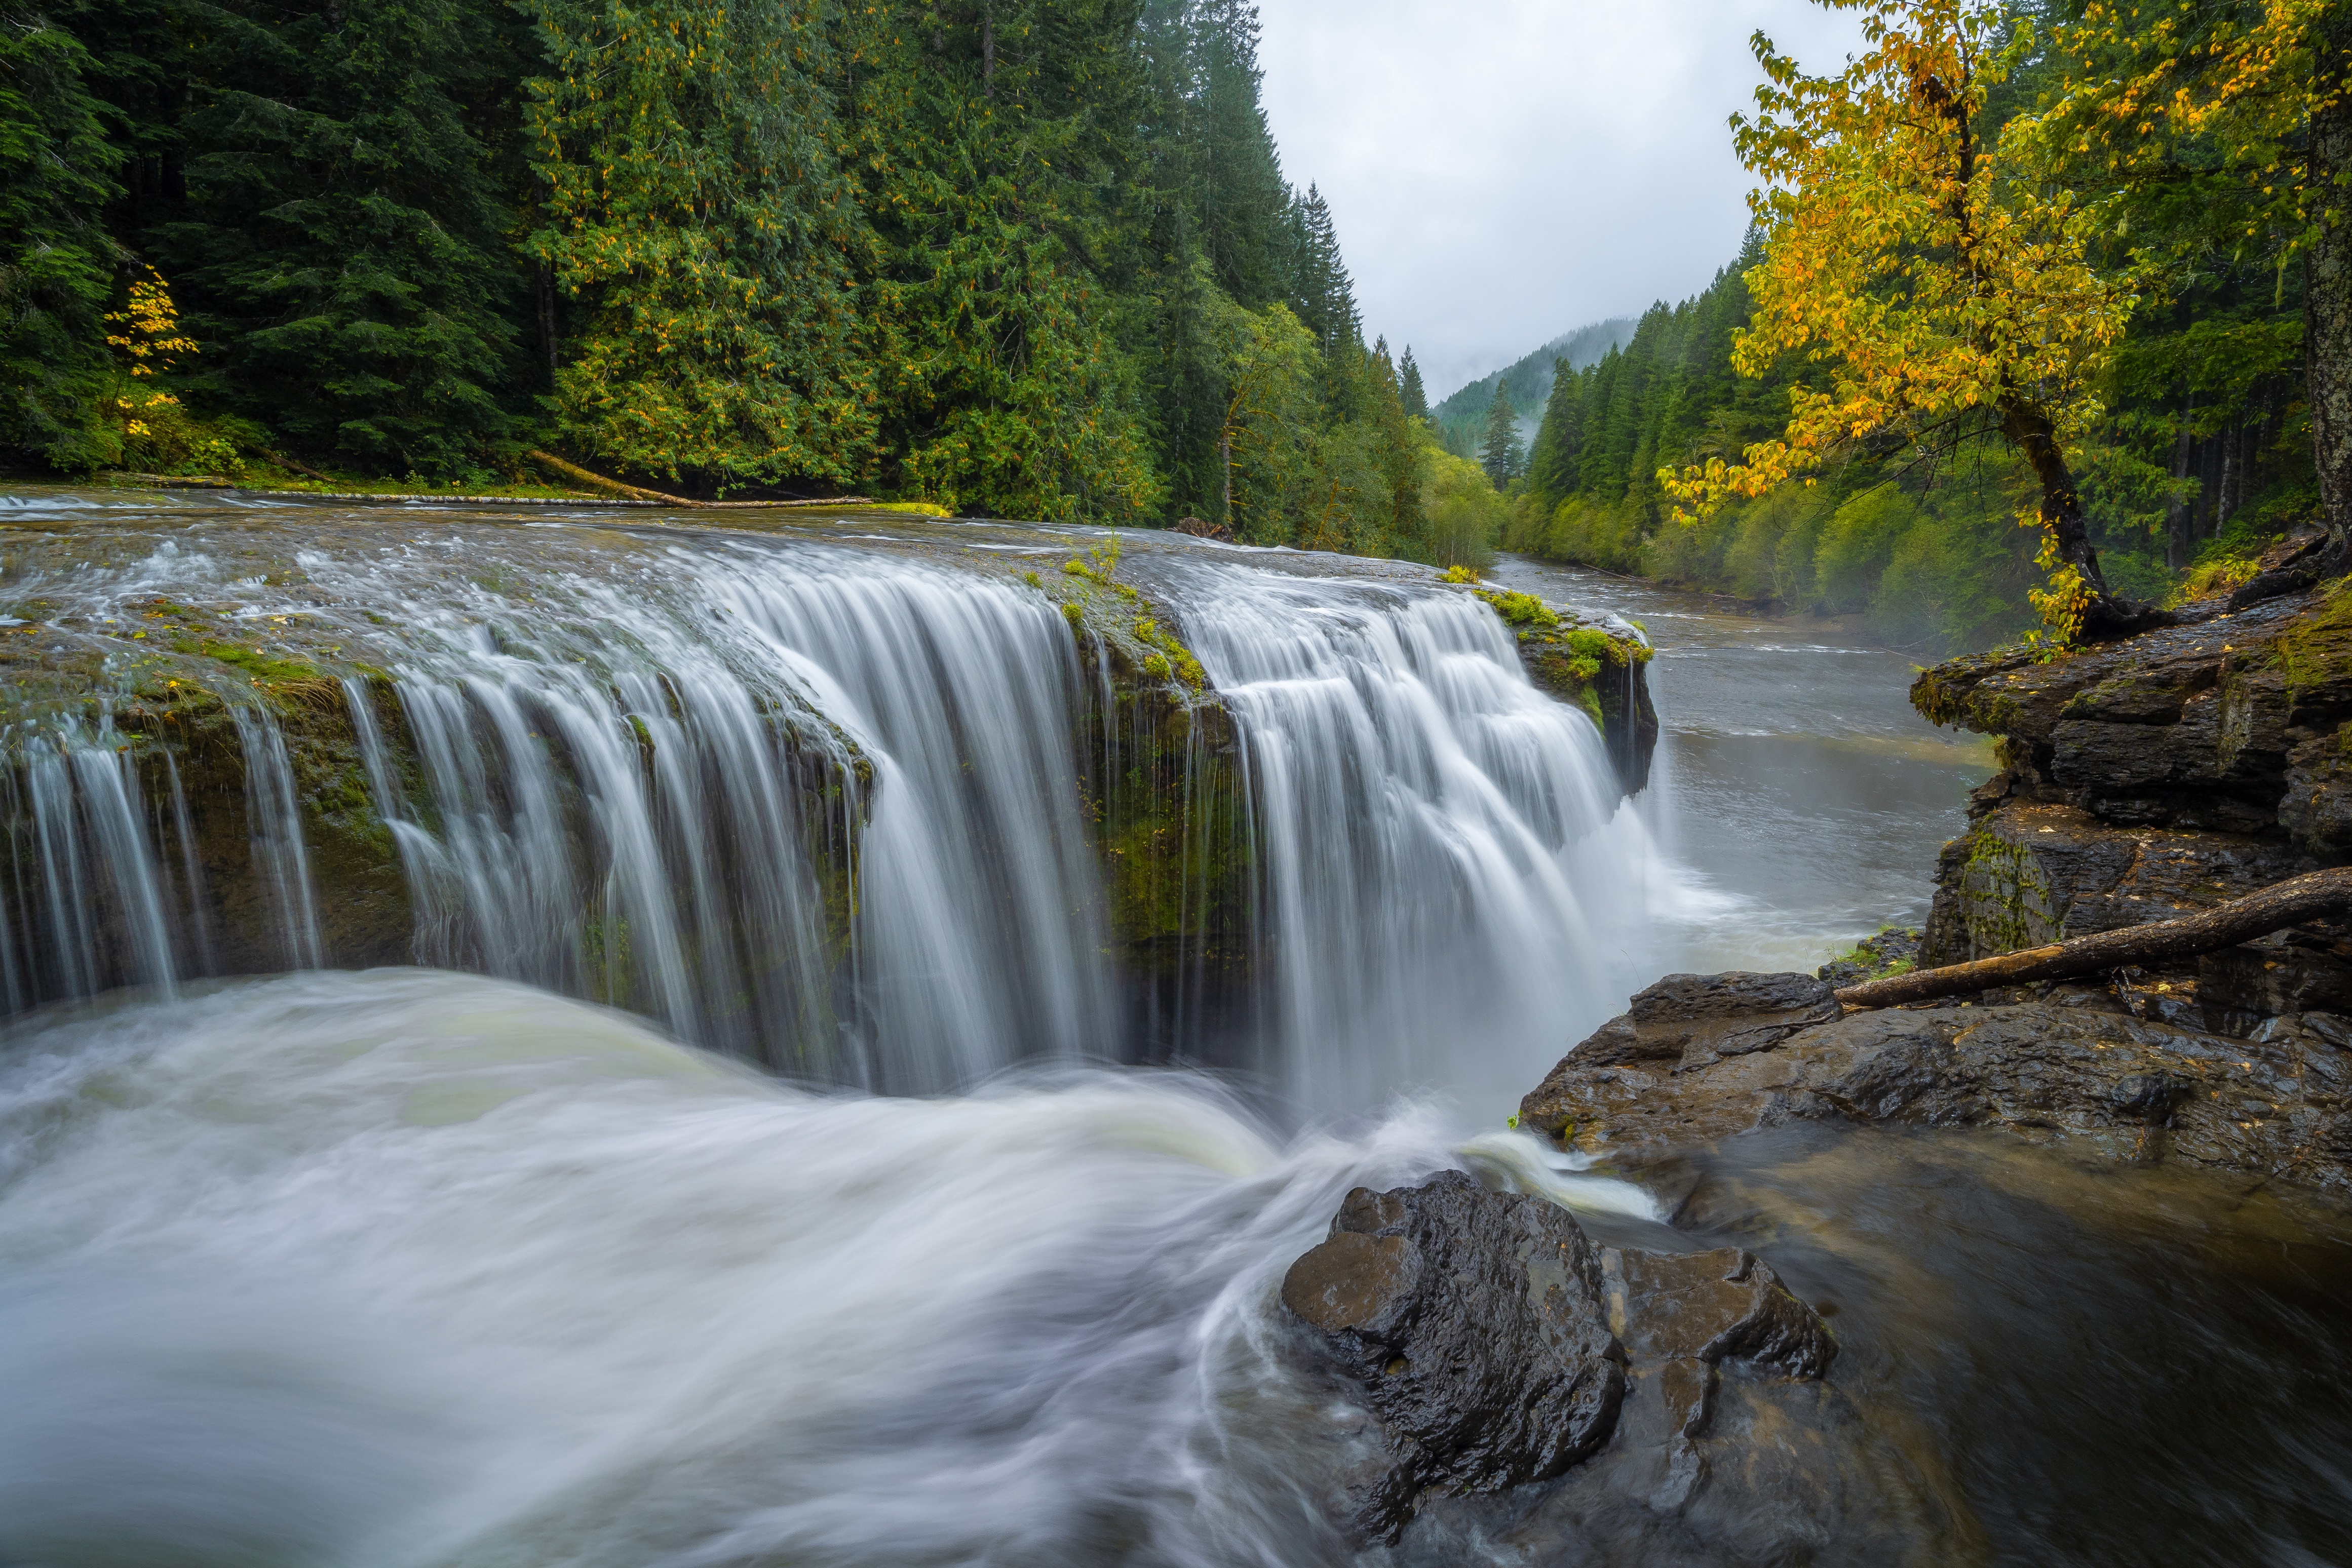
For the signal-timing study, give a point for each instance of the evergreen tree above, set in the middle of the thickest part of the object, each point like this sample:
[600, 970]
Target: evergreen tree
[1322, 294]
[702, 242]
[1502, 454]
[56, 262]
[1416, 400]
[341, 248]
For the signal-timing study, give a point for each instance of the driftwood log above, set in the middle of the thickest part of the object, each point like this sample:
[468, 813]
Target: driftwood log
[571, 470]
[2290, 903]
[639, 493]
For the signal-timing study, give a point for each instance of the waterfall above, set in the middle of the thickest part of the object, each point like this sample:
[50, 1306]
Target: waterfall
[88, 903]
[1433, 831]
[868, 814]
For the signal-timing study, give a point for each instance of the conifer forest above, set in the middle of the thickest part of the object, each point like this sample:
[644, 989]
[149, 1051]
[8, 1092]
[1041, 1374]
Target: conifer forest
[1040, 258]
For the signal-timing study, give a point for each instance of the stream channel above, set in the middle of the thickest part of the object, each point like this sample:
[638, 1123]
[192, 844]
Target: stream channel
[451, 1265]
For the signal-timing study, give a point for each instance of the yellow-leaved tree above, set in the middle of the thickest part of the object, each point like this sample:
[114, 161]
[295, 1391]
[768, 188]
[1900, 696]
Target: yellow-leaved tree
[2240, 110]
[1947, 291]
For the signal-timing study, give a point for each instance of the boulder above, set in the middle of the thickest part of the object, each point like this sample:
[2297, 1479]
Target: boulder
[1506, 1356]
[1476, 1326]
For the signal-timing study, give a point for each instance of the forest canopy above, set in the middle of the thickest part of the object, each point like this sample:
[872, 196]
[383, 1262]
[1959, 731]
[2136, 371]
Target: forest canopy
[2066, 265]
[1016, 258]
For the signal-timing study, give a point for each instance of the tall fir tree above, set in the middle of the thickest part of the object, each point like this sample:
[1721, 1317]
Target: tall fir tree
[1501, 453]
[1416, 399]
[335, 217]
[57, 260]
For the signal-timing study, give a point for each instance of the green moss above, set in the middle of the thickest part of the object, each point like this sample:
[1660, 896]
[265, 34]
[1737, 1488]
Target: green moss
[261, 666]
[2006, 900]
[1522, 609]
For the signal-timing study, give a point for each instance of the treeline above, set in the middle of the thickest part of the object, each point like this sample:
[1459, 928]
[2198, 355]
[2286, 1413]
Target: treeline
[2197, 448]
[2204, 454]
[1020, 257]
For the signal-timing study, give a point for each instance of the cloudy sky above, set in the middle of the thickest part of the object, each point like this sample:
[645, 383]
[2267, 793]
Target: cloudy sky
[1504, 170]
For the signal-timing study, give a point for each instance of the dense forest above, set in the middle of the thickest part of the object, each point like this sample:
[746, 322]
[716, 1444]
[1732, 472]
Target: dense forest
[1040, 258]
[2198, 446]
[1019, 257]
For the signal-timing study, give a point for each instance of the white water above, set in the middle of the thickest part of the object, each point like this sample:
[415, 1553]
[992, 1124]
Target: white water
[419, 1267]
[1446, 869]
[410, 1268]
[608, 759]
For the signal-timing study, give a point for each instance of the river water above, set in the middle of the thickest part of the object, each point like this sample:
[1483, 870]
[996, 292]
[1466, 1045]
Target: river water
[1793, 781]
[418, 1266]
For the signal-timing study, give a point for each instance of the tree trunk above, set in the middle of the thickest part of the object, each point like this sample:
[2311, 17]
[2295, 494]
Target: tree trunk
[2029, 430]
[2179, 522]
[2327, 282]
[2289, 902]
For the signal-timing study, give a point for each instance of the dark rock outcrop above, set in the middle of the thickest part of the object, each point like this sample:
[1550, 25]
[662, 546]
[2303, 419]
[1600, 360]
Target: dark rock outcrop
[2026, 873]
[2231, 724]
[2075, 1065]
[1476, 1324]
[1499, 1347]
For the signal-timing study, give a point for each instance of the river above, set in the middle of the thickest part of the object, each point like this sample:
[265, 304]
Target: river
[1793, 781]
[419, 1267]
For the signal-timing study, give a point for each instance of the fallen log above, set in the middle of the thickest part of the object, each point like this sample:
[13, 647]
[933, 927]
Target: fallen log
[634, 492]
[2289, 902]
[639, 493]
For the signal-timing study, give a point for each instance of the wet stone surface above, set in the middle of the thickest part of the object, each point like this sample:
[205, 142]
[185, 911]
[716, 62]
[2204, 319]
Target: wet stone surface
[2069, 1065]
[1497, 1345]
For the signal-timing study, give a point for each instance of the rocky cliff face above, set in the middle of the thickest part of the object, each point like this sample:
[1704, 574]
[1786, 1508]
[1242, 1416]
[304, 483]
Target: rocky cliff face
[2154, 776]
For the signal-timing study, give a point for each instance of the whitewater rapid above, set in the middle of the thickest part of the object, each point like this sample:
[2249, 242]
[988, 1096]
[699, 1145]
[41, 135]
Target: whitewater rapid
[414, 1268]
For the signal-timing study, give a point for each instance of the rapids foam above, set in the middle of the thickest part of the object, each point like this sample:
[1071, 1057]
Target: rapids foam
[410, 1267]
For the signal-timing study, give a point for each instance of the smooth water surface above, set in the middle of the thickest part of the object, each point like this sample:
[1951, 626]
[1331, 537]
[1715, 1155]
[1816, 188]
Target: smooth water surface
[1793, 777]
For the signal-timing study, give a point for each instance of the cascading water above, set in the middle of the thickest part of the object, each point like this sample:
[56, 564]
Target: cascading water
[415, 1268]
[821, 800]
[1436, 834]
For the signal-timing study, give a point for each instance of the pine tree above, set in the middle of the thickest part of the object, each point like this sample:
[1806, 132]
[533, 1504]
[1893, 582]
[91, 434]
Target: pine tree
[56, 171]
[1416, 400]
[1322, 294]
[703, 242]
[1502, 454]
[341, 250]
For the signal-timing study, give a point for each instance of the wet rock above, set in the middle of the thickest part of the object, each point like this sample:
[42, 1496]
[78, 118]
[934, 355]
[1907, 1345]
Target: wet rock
[2073, 1067]
[2145, 680]
[2298, 971]
[2315, 805]
[2028, 873]
[1475, 1323]
[1501, 1350]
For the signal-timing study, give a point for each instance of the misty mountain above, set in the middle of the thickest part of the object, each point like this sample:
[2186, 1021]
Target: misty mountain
[1527, 383]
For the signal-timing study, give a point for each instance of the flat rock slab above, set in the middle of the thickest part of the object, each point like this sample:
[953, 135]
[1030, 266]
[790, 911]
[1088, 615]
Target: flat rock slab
[2070, 1066]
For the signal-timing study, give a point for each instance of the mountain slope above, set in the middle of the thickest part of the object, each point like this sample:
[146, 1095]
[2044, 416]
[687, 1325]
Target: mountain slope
[1527, 382]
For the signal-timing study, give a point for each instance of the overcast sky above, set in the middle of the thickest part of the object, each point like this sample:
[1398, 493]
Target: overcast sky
[1504, 170]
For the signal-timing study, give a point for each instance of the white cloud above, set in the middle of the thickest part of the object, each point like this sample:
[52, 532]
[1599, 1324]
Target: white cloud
[1504, 170]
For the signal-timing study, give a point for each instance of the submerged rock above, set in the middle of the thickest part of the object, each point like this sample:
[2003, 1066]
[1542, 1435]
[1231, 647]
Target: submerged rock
[1499, 1347]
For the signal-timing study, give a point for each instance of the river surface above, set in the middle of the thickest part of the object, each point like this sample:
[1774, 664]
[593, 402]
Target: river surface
[422, 1269]
[1792, 779]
